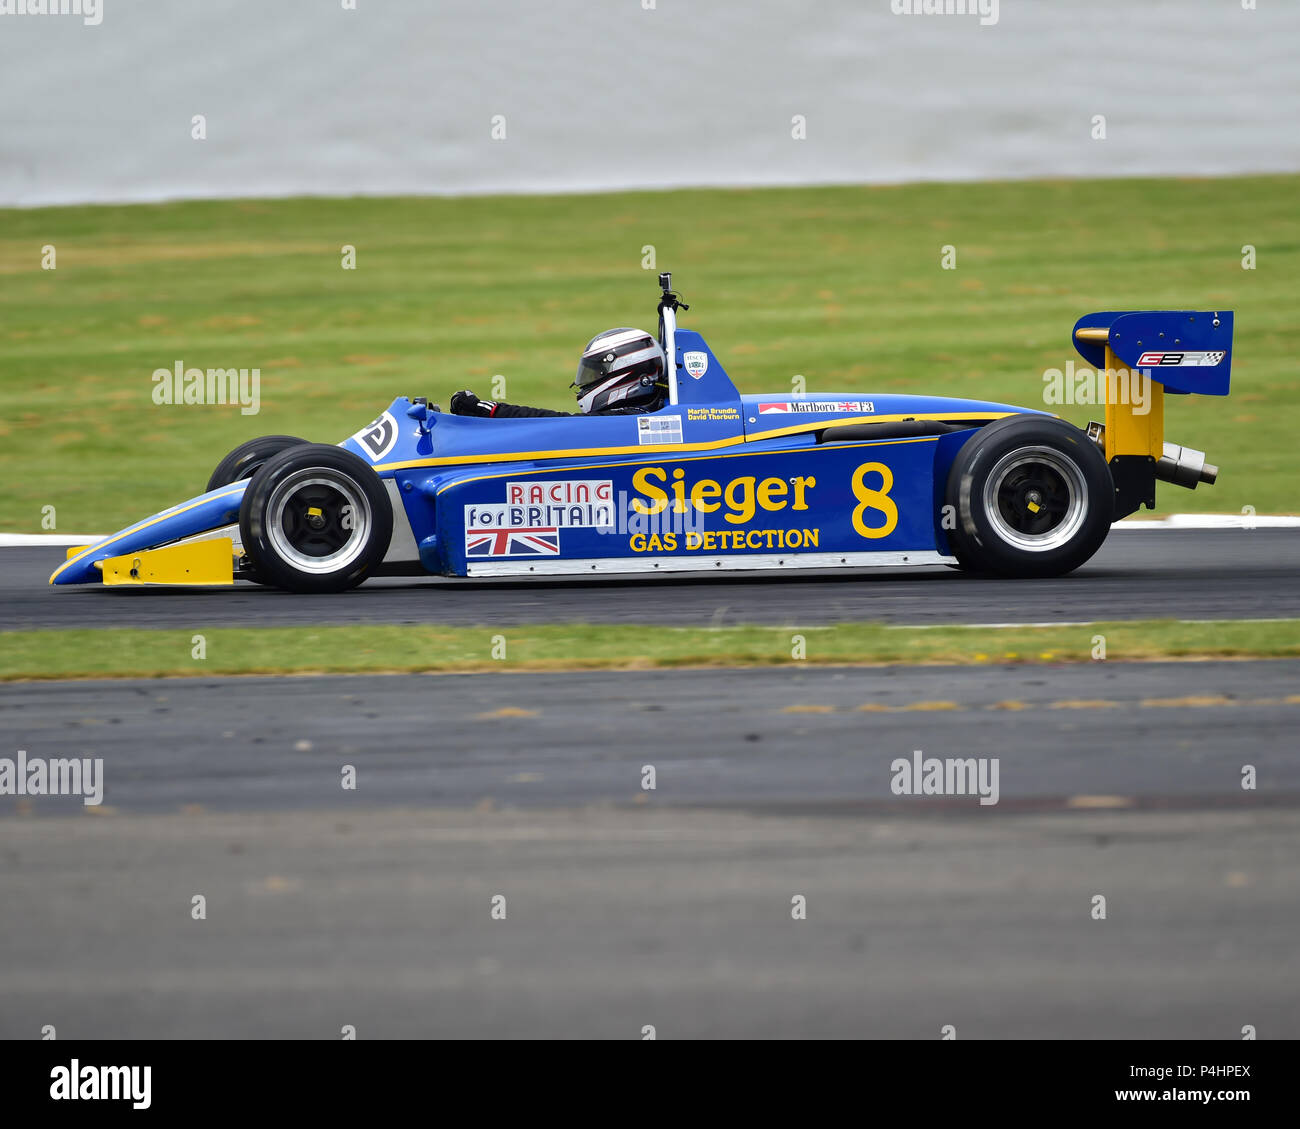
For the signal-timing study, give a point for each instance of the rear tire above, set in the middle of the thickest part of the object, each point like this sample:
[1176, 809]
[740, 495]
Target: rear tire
[1033, 497]
[315, 518]
[247, 459]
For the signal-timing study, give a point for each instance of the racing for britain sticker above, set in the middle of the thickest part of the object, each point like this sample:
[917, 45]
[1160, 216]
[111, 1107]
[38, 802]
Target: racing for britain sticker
[530, 521]
[658, 429]
[697, 363]
[378, 438]
[797, 407]
[557, 503]
[1180, 360]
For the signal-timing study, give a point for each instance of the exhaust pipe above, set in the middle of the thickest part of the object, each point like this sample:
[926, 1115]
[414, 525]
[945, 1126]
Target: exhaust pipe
[1183, 466]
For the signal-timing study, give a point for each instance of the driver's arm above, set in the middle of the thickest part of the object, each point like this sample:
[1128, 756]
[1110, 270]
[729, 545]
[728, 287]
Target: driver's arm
[467, 404]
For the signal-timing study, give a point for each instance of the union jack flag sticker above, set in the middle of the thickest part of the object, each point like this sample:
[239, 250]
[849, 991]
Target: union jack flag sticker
[520, 542]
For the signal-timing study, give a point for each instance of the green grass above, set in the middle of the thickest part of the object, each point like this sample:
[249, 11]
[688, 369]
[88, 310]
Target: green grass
[841, 285]
[361, 649]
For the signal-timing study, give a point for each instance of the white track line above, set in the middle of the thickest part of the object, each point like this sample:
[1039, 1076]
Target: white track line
[1210, 521]
[1050, 623]
[17, 540]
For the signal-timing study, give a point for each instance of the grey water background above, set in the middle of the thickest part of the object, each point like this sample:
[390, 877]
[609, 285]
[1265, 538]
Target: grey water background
[399, 96]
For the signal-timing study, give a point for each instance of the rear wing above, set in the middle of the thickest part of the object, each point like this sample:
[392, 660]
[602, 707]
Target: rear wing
[1182, 350]
[1178, 351]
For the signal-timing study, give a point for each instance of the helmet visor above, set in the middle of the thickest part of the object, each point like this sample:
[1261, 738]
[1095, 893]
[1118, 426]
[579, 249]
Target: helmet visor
[601, 366]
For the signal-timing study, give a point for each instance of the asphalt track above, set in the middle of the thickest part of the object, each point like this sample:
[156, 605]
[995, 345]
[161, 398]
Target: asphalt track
[812, 739]
[670, 907]
[1186, 574]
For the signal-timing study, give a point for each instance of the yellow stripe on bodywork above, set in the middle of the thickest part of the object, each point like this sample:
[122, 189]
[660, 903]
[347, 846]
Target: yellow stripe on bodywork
[824, 424]
[197, 562]
[654, 450]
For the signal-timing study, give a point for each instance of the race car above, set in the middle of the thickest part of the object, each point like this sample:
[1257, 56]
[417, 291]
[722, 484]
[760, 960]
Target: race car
[711, 480]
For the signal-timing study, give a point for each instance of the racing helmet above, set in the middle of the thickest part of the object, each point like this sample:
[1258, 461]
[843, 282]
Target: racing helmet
[621, 368]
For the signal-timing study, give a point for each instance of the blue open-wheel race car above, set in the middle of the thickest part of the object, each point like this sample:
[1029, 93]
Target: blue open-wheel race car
[710, 480]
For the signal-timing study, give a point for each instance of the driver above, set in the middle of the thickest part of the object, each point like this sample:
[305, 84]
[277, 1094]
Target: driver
[621, 372]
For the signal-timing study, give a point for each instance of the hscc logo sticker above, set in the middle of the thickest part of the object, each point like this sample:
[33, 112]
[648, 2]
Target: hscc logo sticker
[697, 364]
[1180, 360]
[378, 438]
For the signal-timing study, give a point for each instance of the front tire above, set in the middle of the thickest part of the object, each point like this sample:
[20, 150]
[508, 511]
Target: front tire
[248, 458]
[315, 518]
[1033, 497]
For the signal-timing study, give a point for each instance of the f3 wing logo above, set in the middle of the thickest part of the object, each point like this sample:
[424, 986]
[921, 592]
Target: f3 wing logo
[697, 363]
[379, 437]
[1179, 360]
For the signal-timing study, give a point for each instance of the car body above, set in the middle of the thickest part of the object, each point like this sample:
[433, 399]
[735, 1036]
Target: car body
[713, 480]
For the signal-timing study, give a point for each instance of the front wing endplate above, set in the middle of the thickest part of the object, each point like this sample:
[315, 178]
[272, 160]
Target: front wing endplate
[196, 562]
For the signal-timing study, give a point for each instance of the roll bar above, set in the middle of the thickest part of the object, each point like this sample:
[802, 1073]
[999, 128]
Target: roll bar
[669, 303]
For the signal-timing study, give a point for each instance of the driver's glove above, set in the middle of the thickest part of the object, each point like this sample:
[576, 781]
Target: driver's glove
[467, 404]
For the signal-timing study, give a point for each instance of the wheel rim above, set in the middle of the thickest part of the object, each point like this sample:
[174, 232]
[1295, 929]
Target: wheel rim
[318, 522]
[1036, 499]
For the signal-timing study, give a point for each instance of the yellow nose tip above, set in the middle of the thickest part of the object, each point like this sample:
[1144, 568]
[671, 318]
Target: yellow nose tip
[1033, 507]
[315, 511]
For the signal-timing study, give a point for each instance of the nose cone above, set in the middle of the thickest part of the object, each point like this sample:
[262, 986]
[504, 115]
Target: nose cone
[213, 510]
